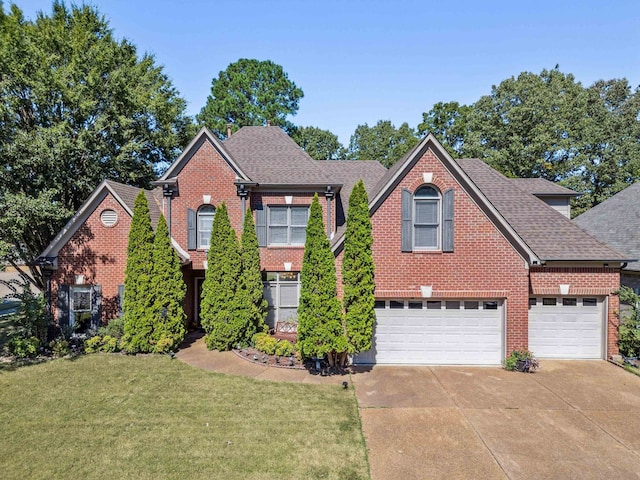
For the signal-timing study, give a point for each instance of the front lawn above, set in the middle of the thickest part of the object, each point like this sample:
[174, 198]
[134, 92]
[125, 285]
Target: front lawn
[114, 416]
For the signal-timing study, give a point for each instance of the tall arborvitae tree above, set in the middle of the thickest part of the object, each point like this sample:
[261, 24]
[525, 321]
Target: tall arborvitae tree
[219, 287]
[320, 330]
[168, 290]
[358, 272]
[138, 303]
[250, 306]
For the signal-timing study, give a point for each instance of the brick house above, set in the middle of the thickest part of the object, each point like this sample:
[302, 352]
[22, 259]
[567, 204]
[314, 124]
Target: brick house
[469, 264]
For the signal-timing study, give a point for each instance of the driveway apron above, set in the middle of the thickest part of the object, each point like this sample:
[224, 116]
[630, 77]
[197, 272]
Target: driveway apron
[571, 419]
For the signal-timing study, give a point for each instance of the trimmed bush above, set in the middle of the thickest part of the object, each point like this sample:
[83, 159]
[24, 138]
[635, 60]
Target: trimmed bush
[115, 328]
[284, 348]
[24, 347]
[358, 272]
[320, 330]
[219, 287]
[138, 302]
[93, 344]
[109, 344]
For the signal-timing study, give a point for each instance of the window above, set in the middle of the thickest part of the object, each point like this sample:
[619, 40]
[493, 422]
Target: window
[379, 304]
[548, 301]
[569, 302]
[415, 305]
[490, 305]
[589, 302]
[288, 225]
[452, 305]
[471, 305]
[426, 218]
[533, 302]
[281, 291]
[205, 225]
[434, 305]
[396, 304]
[80, 306]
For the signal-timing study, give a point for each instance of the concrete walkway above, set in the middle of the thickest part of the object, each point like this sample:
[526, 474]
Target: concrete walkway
[570, 420]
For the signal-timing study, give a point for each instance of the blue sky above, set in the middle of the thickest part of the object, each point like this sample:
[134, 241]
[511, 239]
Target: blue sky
[364, 61]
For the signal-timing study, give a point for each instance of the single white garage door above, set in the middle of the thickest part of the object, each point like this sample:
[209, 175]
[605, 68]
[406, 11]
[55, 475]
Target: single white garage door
[566, 327]
[422, 332]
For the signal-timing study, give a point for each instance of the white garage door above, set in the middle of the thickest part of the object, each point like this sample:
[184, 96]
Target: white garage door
[566, 327]
[436, 332]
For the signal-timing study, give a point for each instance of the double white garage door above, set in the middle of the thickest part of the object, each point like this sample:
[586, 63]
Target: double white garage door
[471, 332]
[437, 332]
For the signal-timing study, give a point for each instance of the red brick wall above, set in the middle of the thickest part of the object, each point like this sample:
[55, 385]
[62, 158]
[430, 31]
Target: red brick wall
[483, 263]
[99, 253]
[206, 173]
[274, 258]
[583, 281]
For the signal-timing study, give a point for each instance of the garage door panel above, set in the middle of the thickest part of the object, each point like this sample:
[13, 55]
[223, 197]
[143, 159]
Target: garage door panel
[566, 331]
[436, 336]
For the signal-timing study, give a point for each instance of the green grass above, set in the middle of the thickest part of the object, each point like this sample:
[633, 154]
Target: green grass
[113, 416]
[632, 369]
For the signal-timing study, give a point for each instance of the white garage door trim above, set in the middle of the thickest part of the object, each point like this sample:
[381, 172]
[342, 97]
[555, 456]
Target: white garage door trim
[571, 328]
[437, 332]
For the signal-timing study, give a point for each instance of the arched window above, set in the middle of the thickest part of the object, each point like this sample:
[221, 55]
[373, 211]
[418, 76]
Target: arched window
[426, 218]
[205, 225]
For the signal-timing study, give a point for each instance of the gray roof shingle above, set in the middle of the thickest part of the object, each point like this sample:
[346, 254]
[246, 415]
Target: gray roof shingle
[542, 188]
[348, 172]
[547, 232]
[128, 195]
[616, 221]
[270, 157]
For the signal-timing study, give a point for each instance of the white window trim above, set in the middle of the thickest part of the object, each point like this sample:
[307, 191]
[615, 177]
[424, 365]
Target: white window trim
[289, 225]
[414, 217]
[199, 231]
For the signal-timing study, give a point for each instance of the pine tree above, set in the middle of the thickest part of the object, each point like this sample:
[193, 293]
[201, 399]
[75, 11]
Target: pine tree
[168, 290]
[250, 306]
[358, 272]
[219, 287]
[138, 303]
[320, 330]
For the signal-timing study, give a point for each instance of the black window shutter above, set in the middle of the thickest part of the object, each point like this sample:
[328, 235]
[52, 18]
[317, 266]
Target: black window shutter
[261, 225]
[96, 306]
[447, 217]
[407, 222]
[63, 305]
[191, 230]
[120, 299]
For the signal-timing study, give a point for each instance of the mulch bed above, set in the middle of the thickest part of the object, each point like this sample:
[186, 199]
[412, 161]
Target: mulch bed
[253, 355]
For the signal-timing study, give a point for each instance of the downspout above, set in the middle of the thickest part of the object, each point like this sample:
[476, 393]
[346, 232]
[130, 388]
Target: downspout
[329, 193]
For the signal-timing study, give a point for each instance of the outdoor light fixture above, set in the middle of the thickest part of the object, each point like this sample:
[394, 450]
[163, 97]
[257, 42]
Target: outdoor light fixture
[255, 357]
[291, 360]
[345, 385]
[264, 359]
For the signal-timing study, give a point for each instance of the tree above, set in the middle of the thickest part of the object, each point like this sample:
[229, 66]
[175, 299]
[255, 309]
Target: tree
[525, 127]
[606, 139]
[358, 272]
[449, 123]
[138, 300]
[382, 142]
[219, 287]
[250, 309]
[168, 291]
[76, 106]
[319, 144]
[250, 92]
[320, 330]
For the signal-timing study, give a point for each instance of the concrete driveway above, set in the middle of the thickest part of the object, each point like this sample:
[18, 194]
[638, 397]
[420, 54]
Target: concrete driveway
[569, 420]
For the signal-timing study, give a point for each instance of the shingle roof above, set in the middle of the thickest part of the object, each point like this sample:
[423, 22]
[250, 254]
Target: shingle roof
[128, 195]
[547, 232]
[270, 157]
[616, 221]
[348, 172]
[541, 187]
